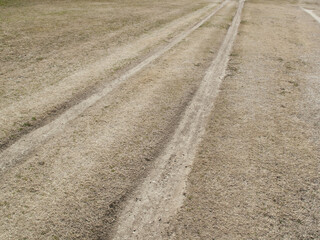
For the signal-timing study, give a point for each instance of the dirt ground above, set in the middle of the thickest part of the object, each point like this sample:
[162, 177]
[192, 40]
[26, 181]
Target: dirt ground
[159, 119]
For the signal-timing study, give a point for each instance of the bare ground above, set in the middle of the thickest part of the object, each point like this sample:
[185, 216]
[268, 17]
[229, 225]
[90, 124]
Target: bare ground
[163, 191]
[254, 170]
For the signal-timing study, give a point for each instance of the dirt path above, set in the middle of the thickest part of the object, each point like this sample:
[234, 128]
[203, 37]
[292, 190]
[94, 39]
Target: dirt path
[161, 194]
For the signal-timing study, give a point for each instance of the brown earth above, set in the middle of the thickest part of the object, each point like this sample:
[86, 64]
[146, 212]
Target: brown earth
[253, 172]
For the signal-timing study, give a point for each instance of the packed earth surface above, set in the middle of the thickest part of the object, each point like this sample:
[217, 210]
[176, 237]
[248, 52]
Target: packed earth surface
[145, 119]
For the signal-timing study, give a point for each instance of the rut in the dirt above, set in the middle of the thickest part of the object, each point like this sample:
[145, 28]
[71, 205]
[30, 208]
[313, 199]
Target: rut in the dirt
[161, 194]
[315, 16]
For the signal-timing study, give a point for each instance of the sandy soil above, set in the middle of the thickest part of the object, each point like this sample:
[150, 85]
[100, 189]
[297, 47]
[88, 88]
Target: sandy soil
[159, 120]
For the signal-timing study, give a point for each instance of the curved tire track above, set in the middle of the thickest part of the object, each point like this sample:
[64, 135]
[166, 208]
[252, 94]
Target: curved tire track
[161, 194]
[312, 14]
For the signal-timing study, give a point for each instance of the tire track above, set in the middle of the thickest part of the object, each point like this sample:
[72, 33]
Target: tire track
[26, 144]
[161, 194]
[310, 12]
